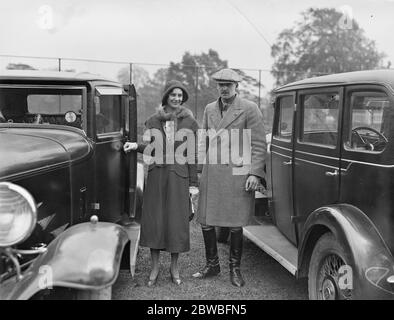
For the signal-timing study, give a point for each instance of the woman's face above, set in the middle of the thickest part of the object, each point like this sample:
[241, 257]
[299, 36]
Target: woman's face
[175, 98]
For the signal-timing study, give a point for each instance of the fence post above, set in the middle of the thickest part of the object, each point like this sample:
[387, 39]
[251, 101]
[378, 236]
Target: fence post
[60, 64]
[195, 95]
[131, 72]
[260, 89]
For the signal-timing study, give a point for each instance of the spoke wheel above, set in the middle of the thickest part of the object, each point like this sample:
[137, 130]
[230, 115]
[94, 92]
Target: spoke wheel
[324, 270]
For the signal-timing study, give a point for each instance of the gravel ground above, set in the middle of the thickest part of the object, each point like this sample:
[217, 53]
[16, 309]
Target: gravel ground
[265, 278]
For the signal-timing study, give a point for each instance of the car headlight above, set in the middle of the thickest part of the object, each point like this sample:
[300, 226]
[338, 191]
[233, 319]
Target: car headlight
[18, 214]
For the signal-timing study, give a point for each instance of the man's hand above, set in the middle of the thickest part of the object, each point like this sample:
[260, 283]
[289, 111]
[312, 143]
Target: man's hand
[193, 190]
[129, 146]
[252, 183]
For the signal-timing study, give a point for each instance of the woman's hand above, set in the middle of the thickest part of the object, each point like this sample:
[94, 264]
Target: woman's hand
[130, 146]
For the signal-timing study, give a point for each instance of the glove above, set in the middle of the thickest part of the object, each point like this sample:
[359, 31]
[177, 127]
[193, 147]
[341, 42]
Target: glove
[193, 195]
[193, 190]
[129, 146]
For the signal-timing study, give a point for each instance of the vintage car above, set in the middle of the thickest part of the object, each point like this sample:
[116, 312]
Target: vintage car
[330, 185]
[69, 195]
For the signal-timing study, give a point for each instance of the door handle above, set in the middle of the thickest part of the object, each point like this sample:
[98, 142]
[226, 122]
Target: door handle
[287, 163]
[331, 173]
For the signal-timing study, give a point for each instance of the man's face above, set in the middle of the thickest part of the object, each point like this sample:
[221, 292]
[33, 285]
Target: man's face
[226, 89]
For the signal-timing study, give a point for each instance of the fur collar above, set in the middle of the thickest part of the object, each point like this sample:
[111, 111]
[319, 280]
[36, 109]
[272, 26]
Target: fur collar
[181, 112]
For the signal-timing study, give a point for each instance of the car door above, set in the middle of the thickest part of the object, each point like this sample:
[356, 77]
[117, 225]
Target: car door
[110, 160]
[367, 156]
[281, 164]
[317, 151]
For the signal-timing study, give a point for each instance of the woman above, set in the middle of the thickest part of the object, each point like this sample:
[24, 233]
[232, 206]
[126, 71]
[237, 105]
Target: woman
[166, 205]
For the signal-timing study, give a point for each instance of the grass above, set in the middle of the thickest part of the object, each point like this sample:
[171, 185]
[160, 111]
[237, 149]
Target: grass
[265, 278]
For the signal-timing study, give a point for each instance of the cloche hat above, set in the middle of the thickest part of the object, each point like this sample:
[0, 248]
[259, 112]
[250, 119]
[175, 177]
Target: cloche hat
[170, 85]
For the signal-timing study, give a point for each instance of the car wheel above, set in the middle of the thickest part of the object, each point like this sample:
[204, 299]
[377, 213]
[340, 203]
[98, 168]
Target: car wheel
[102, 294]
[324, 276]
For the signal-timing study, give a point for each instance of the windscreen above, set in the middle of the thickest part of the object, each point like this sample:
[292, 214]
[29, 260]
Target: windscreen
[42, 106]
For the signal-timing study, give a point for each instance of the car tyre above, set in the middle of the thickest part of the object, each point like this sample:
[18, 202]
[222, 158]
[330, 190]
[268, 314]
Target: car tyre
[324, 276]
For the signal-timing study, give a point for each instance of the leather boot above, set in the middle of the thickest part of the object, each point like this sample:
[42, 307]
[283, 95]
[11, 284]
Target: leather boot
[236, 238]
[212, 268]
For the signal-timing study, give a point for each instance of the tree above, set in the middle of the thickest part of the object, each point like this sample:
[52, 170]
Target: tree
[140, 76]
[318, 44]
[149, 96]
[19, 66]
[195, 71]
[24, 66]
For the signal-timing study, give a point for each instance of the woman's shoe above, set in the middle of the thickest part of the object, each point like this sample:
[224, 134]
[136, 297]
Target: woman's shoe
[175, 280]
[152, 282]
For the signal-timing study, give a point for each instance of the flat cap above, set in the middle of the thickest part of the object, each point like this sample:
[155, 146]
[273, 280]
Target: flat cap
[226, 75]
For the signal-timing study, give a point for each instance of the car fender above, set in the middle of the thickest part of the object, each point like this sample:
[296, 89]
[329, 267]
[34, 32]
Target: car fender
[368, 254]
[85, 256]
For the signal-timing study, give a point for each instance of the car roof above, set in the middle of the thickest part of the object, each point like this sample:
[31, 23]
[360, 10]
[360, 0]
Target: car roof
[385, 77]
[50, 75]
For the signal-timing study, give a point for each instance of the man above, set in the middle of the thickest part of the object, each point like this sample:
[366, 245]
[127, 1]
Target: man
[228, 182]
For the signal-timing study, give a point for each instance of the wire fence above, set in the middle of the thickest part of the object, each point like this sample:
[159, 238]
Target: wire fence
[149, 80]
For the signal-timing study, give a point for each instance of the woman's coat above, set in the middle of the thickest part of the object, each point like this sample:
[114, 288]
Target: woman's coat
[166, 205]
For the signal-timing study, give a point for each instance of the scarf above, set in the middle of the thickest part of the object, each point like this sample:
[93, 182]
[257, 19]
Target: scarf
[178, 113]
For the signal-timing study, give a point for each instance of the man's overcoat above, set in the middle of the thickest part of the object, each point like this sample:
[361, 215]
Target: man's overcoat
[223, 200]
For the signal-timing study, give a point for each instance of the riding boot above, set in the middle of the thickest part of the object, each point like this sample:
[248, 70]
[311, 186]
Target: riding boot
[235, 257]
[212, 268]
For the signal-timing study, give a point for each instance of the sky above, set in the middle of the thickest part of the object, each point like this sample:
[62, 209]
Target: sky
[157, 32]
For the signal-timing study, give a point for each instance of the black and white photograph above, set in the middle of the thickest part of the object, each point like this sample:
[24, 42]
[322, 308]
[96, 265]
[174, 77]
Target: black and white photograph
[195, 156]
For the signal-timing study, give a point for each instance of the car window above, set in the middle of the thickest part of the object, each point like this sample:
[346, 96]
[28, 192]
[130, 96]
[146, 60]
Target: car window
[320, 118]
[54, 103]
[108, 114]
[369, 118]
[285, 123]
[42, 106]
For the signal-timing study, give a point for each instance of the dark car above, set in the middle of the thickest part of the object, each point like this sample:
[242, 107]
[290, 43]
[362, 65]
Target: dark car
[330, 177]
[69, 195]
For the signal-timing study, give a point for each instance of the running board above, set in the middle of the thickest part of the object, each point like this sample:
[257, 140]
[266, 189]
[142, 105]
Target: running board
[133, 231]
[273, 242]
